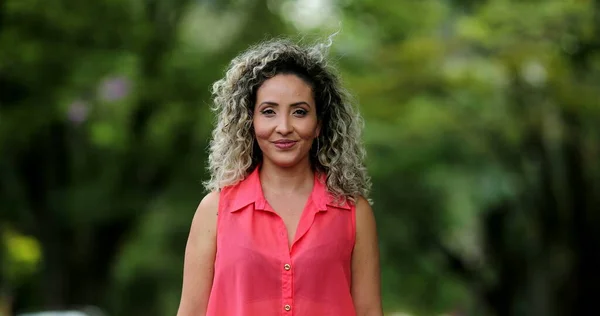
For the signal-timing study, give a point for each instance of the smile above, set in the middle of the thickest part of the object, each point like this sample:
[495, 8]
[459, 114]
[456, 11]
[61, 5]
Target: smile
[284, 144]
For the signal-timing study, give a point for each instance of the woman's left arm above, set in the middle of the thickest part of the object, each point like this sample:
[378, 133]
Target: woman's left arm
[366, 277]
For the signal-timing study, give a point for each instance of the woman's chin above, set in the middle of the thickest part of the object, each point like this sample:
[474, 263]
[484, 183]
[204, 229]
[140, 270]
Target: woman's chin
[288, 161]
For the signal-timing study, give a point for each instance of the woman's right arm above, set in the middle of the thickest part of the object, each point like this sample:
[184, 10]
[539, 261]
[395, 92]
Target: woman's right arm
[198, 268]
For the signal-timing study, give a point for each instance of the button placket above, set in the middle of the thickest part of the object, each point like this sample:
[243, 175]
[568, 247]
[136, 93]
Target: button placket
[287, 285]
[286, 275]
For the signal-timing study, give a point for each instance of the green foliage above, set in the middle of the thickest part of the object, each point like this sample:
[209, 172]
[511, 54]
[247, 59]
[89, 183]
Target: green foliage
[481, 126]
[22, 256]
[455, 103]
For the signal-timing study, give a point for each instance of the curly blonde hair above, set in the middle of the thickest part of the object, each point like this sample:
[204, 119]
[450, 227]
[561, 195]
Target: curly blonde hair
[338, 152]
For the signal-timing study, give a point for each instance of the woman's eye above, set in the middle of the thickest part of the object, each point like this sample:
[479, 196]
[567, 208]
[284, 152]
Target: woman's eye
[267, 112]
[300, 112]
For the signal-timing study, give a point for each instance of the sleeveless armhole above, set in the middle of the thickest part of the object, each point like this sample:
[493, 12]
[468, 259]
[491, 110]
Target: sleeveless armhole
[353, 219]
[220, 214]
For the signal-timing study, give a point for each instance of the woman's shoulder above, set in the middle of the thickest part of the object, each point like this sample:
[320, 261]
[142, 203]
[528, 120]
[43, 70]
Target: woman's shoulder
[362, 206]
[362, 203]
[209, 205]
[232, 195]
[365, 217]
[210, 200]
[245, 184]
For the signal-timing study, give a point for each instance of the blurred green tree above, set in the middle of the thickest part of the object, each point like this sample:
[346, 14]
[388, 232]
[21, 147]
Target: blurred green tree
[483, 133]
[482, 127]
[101, 116]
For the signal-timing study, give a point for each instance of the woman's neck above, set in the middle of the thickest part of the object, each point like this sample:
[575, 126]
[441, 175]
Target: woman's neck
[286, 180]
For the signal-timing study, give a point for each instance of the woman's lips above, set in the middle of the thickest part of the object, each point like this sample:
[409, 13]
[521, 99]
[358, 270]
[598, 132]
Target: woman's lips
[285, 144]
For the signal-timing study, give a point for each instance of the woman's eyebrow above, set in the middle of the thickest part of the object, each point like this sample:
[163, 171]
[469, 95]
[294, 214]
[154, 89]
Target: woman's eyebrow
[277, 104]
[300, 103]
[269, 103]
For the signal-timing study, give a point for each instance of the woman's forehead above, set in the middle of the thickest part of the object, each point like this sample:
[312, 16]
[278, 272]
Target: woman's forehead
[285, 86]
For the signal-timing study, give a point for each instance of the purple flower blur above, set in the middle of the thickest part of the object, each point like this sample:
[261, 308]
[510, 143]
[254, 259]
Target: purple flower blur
[78, 112]
[114, 89]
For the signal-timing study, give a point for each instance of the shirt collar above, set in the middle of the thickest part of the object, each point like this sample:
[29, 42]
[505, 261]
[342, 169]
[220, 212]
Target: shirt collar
[250, 191]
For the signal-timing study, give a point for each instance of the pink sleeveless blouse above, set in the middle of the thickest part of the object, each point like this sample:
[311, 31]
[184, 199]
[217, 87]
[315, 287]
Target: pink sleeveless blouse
[257, 274]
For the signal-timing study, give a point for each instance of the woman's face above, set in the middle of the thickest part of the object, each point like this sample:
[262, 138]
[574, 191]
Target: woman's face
[285, 120]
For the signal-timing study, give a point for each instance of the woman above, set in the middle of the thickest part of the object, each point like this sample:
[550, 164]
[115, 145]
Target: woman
[286, 229]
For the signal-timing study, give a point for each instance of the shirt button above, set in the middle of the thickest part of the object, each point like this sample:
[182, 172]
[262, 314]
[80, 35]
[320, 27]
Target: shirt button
[287, 267]
[287, 307]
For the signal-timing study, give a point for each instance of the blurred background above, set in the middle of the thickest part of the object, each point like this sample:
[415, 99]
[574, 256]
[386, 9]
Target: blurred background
[482, 128]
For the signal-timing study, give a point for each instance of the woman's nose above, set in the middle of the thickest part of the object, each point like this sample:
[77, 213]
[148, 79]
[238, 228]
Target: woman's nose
[284, 126]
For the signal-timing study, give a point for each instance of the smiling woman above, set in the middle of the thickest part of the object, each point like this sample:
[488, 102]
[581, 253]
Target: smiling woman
[286, 228]
[285, 120]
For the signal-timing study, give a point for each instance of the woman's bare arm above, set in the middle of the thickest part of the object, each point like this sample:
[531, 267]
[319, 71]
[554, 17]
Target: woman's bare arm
[366, 278]
[198, 269]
